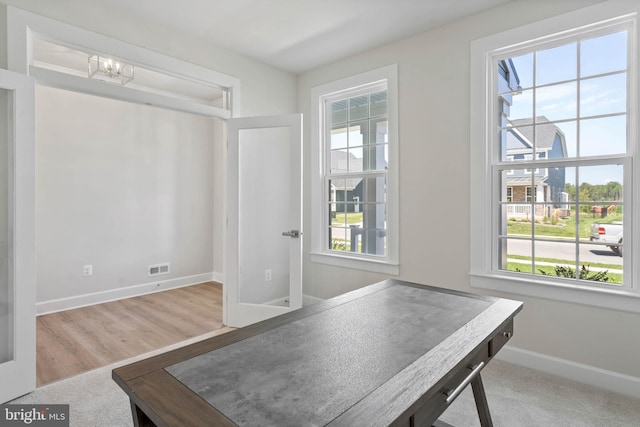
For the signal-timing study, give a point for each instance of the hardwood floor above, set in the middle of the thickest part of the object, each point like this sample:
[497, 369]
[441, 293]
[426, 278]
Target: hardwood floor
[76, 341]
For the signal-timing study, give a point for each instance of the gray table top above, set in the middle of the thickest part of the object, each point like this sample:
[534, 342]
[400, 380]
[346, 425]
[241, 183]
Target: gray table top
[310, 371]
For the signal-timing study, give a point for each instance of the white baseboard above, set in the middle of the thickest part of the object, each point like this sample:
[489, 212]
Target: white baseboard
[78, 301]
[217, 277]
[609, 380]
[309, 300]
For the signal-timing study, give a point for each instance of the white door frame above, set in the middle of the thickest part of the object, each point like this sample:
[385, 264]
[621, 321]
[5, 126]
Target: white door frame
[239, 314]
[18, 376]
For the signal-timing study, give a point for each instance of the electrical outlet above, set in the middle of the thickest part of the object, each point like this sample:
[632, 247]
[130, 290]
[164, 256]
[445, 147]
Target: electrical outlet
[267, 275]
[87, 270]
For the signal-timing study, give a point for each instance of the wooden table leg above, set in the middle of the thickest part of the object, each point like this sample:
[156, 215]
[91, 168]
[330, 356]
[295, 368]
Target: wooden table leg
[140, 419]
[481, 402]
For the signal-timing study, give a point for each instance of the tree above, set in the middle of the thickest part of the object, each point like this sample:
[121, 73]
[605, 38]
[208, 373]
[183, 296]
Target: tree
[614, 191]
[570, 189]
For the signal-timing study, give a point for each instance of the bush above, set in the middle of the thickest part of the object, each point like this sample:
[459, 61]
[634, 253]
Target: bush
[570, 273]
[339, 245]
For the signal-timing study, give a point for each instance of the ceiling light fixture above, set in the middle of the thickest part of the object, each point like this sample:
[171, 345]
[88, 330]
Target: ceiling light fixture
[109, 70]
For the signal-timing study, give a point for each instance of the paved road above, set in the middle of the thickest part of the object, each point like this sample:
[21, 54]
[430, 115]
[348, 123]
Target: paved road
[588, 251]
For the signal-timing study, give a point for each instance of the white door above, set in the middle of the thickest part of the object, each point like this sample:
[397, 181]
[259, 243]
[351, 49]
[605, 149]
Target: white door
[263, 273]
[17, 240]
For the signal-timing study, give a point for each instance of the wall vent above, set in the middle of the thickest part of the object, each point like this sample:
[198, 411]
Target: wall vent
[157, 269]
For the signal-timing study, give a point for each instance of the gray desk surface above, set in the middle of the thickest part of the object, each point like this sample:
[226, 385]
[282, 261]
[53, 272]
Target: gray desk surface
[310, 371]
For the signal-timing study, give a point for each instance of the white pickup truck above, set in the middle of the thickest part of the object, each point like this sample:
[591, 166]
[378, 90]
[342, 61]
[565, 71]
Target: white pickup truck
[610, 234]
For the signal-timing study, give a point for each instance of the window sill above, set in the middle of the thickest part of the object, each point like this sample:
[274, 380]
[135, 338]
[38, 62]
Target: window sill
[356, 263]
[616, 299]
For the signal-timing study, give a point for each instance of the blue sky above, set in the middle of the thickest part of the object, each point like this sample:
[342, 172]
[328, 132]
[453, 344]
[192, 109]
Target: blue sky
[592, 94]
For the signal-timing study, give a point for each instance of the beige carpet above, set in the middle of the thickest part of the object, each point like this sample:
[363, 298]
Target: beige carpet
[517, 397]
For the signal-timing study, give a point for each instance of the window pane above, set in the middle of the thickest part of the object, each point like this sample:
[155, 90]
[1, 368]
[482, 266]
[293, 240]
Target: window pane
[374, 243]
[603, 54]
[550, 140]
[374, 215]
[375, 157]
[557, 259]
[601, 183]
[557, 102]
[358, 107]
[516, 140]
[600, 264]
[379, 131]
[339, 111]
[554, 223]
[356, 160]
[516, 255]
[556, 64]
[337, 195]
[523, 66]
[374, 190]
[379, 103]
[603, 136]
[519, 220]
[339, 161]
[603, 95]
[518, 105]
[338, 136]
[568, 138]
[339, 239]
[601, 213]
[358, 133]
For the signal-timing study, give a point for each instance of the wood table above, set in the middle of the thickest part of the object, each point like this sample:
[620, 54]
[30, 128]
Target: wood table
[392, 353]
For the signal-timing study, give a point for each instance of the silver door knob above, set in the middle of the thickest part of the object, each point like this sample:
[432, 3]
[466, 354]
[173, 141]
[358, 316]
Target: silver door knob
[294, 234]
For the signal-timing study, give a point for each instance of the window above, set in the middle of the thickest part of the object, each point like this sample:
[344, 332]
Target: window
[528, 197]
[561, 113]
[354, 216]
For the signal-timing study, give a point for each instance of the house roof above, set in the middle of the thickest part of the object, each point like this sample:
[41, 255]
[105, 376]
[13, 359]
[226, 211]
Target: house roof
[520, 134]
[513, 180]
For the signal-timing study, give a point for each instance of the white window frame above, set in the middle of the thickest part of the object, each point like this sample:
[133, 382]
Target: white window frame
[319, 211]
[23, 26]
[483, 251]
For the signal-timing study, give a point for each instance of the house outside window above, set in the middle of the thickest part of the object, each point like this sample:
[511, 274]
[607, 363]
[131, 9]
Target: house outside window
[528, 197]
[560, 133]
[355, 210]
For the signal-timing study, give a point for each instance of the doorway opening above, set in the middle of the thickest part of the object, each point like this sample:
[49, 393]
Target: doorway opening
[121, 187]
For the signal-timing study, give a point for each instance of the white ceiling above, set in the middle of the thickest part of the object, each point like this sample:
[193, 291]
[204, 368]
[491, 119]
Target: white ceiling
[294, 35]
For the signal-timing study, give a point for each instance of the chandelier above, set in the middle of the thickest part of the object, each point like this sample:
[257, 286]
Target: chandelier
[109, 70]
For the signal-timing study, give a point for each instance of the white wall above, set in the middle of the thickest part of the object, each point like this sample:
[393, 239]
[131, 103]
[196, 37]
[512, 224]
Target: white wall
[434, 76]
[119, 186]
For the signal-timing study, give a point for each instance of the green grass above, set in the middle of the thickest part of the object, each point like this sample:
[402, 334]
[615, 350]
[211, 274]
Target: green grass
[351, 218]
[563, 228]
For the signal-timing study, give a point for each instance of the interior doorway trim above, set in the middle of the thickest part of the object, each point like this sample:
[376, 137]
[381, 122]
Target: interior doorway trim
[23, 27]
